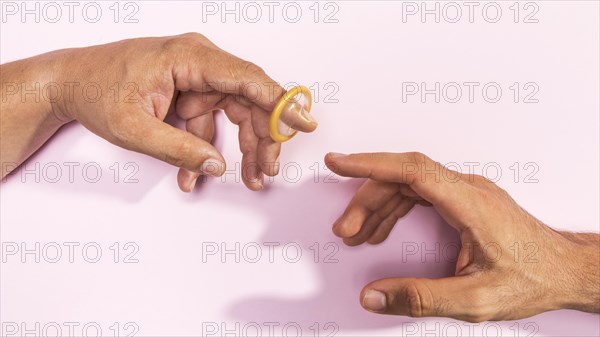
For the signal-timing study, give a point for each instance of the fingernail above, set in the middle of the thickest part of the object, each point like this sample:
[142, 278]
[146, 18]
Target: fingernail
[260, 182]
[374, 300]
[212, 167]
[276, 166]
[255, 177]
[308, 117]
[192, 184]
[336, 155]
[336, 225]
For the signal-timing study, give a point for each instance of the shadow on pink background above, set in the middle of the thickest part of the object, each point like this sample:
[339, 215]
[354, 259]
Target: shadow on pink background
[305, 213]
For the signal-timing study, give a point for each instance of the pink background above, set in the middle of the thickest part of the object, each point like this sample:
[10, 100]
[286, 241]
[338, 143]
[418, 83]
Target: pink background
[368, 54]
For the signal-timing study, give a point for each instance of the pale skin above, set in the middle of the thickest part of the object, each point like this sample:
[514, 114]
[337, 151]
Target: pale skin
[189, 76]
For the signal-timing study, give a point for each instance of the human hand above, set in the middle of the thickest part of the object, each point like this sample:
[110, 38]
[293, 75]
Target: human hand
[490, 281]
[136, 83]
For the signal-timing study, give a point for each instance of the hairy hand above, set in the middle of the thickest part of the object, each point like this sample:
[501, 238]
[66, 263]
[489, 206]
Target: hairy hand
[123, 91]
[510, 265]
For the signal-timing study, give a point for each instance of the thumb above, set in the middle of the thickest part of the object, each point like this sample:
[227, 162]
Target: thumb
[162, 141]
[296, 117]
[455, 297]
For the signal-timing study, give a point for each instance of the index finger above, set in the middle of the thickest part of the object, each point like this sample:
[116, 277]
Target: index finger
[199, 65]
[428, 178]
[232, 75]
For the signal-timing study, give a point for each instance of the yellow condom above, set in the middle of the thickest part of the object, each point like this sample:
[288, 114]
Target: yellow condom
[293, 105]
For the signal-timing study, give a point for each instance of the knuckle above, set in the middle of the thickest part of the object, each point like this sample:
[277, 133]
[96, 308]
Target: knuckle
[414, 302]
[247, 146]
[416, 165]
[251, 69]
[182, 43]
[175, 43]
[419, 158]
[194, 36]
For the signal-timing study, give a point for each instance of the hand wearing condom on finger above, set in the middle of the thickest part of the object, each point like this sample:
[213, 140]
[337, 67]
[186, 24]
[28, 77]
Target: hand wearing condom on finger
[141, 81]
[563, 274]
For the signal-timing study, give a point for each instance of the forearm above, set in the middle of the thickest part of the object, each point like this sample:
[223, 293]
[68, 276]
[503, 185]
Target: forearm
[584, 271]
[27, 118]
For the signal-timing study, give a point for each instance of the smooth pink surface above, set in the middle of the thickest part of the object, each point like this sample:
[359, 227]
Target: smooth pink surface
[368, 54]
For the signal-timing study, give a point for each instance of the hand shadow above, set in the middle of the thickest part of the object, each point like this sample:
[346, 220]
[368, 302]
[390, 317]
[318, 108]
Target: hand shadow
[421, 245]
[112, 173]
[304, 214]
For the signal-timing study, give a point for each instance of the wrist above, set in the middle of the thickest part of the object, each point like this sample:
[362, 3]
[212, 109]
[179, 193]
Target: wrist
[60, 91]
[581, 284]
[27, 113]
[34, 86]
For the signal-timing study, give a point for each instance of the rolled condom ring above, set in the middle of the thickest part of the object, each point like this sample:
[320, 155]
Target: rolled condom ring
[293, 106]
